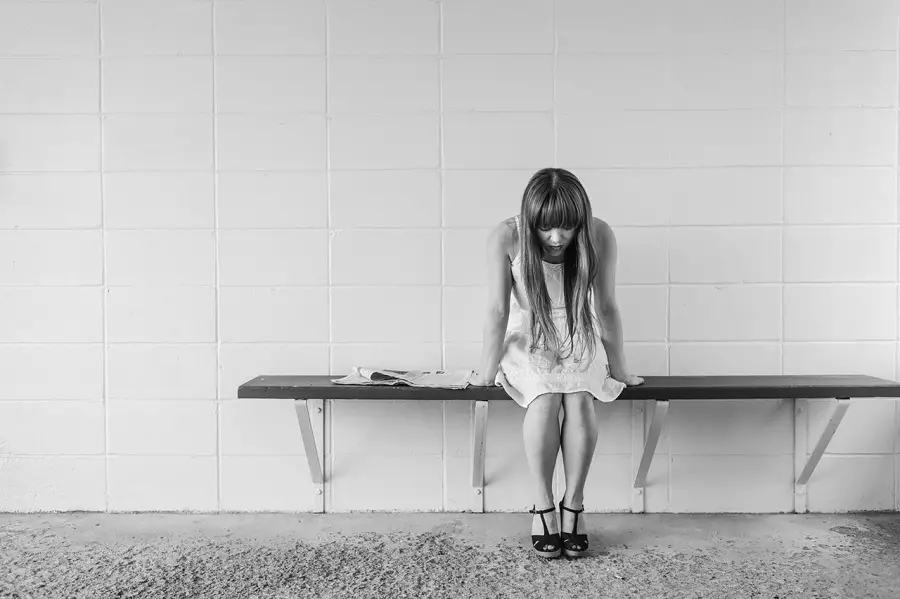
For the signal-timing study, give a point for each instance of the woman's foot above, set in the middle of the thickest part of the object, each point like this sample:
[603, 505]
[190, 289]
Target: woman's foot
[544, 532]
[567, 518]
[573, 531]
[550, 518]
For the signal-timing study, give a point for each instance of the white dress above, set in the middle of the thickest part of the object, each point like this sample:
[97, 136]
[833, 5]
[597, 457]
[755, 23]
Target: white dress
[525, 374]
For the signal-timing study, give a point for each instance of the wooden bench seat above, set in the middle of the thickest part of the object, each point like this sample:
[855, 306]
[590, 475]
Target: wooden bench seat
[656, 391]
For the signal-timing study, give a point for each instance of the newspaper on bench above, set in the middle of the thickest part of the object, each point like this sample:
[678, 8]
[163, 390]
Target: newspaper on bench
[457, 379]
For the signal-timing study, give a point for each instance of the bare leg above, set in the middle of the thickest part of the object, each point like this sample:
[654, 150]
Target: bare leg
[540, 433]
[579, 438]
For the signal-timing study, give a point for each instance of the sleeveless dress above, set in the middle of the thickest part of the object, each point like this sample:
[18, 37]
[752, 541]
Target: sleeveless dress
[526, 374]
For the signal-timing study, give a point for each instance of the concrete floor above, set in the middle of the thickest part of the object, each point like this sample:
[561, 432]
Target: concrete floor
[452, 555]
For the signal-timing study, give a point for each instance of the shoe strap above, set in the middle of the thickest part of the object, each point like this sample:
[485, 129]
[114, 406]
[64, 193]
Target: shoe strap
[576, 512]
[568, 509]
[534, 510]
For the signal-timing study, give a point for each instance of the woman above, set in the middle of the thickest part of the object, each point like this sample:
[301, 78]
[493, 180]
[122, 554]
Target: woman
[558, 342]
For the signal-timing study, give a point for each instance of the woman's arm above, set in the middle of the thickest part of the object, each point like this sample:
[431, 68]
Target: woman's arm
[606, 307]
[496, 315]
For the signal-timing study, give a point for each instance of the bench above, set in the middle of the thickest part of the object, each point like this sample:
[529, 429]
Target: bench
[308, 393]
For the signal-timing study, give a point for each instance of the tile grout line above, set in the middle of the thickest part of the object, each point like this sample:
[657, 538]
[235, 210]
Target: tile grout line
[846, 225]
[897, 270]
[440, 32]
[725, 166]
[327, 416]
[662, 284]
[553, 73]
[104, 266]
[217, 288]
[796, 404]
[784, 21]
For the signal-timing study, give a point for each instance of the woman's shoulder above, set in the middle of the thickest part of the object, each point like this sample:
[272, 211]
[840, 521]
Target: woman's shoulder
[506, 230]
[601, 230]
[505, 235]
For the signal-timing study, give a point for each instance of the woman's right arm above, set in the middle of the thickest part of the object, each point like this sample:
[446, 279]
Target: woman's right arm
[496, 315]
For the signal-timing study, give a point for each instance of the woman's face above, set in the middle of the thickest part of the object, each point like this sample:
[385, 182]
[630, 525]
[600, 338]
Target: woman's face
[556, 240]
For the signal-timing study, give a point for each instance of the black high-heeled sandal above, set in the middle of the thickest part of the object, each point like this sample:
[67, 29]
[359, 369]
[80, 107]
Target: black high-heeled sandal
[546, 545]
[574, 544]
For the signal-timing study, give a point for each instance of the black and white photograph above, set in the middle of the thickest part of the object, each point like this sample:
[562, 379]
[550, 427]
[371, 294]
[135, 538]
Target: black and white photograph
[427, 299]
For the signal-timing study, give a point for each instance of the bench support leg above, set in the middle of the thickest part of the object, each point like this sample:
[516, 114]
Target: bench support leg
[800, 486]
[661, 409]
[479, 434]
[309, 445]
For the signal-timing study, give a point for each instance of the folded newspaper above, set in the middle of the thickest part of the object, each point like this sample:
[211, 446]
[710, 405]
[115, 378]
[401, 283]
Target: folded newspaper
[457, 379]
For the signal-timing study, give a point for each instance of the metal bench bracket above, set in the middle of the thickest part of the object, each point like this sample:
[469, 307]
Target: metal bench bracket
[800, 485]
[660, 410]
[479, 434]
[302, 407]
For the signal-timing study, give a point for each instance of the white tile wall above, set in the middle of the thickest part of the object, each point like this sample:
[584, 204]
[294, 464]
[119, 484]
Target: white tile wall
[160, 371]
[157, 200]
[52, 427]
[840, 136]
[157, 314]
[396, 84]
[286, 199]
[51, 314]
[78, 371]
[842, 79]
[195, 193]
[49, 85]
[46, 200]
[840, 195]
[501, 140]
[157, 84]
[265, 484]
[281, 142]
[157, 142]
[165, 28]
[270, 27]
[34, 258]
[273, 314]
[256, 84]
[151, 427]
[161, 483]
[160, 258]
[815, 25]
[400, 198]
[389, 27]
[396, 257]
[36, 29]
[357, 141]
[274, 257]
[50, 142]
[498, 82]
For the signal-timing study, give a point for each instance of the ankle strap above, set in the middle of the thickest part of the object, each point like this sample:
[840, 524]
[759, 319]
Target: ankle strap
[534, 510]
[562, 507]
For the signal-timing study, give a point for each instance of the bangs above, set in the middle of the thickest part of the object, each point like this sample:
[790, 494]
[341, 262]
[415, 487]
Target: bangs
[559, 211]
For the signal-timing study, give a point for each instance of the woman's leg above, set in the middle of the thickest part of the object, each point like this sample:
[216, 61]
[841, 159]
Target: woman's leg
[578, 439]
[540, 433]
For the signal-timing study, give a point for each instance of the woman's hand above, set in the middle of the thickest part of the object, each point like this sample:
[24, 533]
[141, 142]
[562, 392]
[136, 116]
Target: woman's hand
[630, 380]
[477, 380]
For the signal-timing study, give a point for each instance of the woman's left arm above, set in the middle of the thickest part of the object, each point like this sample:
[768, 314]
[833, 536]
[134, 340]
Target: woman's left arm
[605, 303]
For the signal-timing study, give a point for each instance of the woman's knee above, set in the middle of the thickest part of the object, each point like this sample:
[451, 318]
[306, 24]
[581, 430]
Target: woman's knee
[548, 402]
[581, 403]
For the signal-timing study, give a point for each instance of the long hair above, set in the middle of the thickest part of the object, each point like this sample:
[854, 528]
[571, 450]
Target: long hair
[554, 197]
